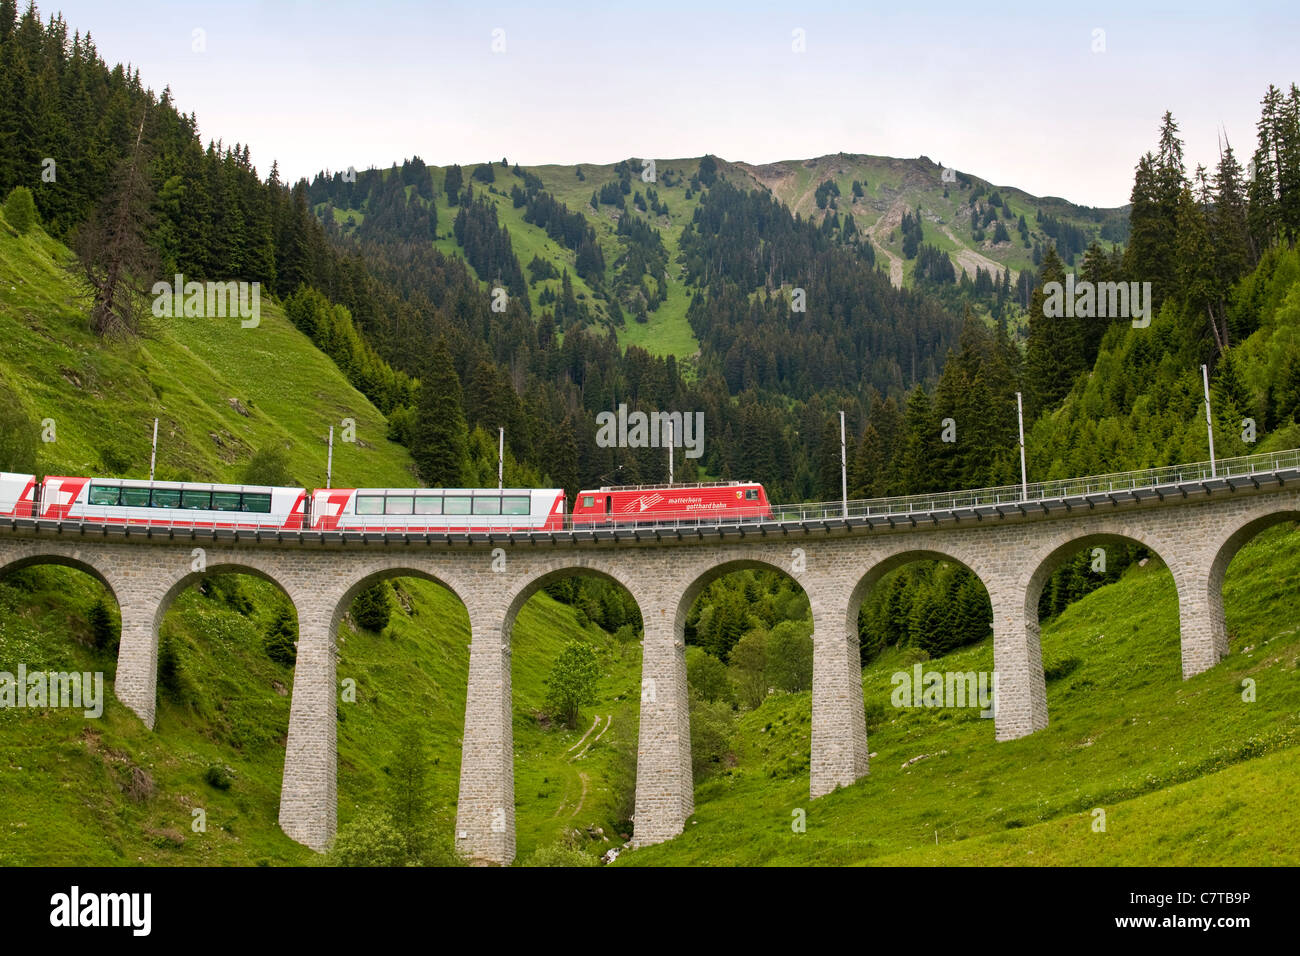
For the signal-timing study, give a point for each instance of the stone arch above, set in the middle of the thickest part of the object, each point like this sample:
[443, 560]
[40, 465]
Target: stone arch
[1049, 559]
[1225, 548]
[386, 572]
[485, 810]
[898, 559]
[60, 559]
[1206, 590]
[555, 571]
[702, 579]
[224, 566]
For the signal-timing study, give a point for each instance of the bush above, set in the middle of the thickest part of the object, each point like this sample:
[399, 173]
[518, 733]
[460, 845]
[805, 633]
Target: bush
[369, 839]
[218, 776]
[1062, 668]
[229, 590]
[20, 210]
[707, 676]
[572, 682]
[269, 466]
[877, 714]
[103, 632]
[281, 637]
[712, 726]
[560, 853]
[373, 607]
[749, 668]
[171, 671]
[790, 656]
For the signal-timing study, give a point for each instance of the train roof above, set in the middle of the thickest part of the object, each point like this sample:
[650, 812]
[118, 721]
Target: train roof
[449, 491]
[170, 485]
[674, 486]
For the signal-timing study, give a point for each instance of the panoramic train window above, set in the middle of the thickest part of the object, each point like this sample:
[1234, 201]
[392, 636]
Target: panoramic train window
[399, 505]
[370, 504]
[260, 503]
[453, 505]
[225, 500]
[104, 494]
[135, 497]
[515, 506]
[487, 506]
[428, 505]
[166, 498]
[196, 500]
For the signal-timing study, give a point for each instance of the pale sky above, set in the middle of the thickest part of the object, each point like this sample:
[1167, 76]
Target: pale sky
[1013, 92]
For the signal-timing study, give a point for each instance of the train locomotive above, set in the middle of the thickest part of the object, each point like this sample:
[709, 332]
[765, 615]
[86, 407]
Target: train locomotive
[671, 504]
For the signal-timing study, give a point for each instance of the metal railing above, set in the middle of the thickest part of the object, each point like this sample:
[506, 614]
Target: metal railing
[1165, 476]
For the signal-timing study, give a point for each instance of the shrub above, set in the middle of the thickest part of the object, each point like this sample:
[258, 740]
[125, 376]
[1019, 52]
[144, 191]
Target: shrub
[218, 776]
[103, 632]
[373, 607]
[712, 726]
[269, 466]
[281, 637]
[707, 676]
[749, 668]
[790, 656]
[560, 853]
[572, 682]
[369, 839]
[1062, 668]
[20, 210]
[171, 671]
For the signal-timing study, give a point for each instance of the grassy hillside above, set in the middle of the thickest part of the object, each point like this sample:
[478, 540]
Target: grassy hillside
[220, 392]
[1186, 771]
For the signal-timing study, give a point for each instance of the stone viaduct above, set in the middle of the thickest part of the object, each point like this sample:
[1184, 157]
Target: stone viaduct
[1194, 527]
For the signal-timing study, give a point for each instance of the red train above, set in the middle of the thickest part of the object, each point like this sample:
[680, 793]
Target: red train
[171, 504]
[671, 503]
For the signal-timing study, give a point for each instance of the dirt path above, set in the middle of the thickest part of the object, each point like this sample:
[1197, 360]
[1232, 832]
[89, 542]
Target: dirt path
[609, 719]
[582, 798]
[970, 260]
[582, 776]
[888, 221]
[593, 726]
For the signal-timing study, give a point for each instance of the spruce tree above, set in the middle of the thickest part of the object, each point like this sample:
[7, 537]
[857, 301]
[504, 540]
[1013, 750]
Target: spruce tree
[441, 436]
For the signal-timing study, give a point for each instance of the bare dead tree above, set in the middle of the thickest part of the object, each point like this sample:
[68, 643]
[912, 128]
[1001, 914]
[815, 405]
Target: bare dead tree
[114, 257]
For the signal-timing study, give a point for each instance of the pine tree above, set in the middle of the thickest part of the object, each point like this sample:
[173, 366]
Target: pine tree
[453, 182]
[408, 790]
[1054, 355]
[373, 607]
[113, 256]
[281, 637]
[441, 436]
